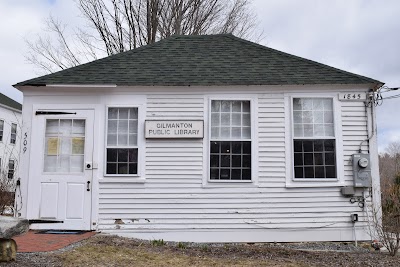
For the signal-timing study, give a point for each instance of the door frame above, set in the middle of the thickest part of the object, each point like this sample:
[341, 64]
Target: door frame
[36, 132]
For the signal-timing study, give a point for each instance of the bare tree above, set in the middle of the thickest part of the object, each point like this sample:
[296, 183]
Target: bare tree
[389, 162]
[393, 150]
[114, 26]
[387, 169]
[7, 189]
[386, 219]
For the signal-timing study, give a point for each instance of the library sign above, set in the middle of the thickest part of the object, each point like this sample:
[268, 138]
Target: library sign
[174, 129]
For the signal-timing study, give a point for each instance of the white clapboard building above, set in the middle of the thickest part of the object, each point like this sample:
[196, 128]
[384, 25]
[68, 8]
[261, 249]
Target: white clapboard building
[10, 136]
[201, 138]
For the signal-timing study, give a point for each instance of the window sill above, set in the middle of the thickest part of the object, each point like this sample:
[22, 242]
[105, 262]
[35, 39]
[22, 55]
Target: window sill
[229, 184]
[121, 176]
[119, 179]
[314, 183]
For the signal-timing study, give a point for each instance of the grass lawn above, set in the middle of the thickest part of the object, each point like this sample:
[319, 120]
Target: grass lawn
[105, 250]
[90, 255]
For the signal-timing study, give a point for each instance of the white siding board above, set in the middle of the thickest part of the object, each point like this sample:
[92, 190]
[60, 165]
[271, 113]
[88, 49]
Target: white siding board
[354, 128]
[135, 188]
[219, 200]
[249, 226]
[234, 216]
[276, 209]
[285, 207]
[271, 132]
[177, 159]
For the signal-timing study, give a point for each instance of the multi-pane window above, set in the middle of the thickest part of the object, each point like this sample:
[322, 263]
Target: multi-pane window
[122, 141]
[1, 130]
[230, 142]
[314, 138]
[11, 169]
[65, 145]
[13, 133]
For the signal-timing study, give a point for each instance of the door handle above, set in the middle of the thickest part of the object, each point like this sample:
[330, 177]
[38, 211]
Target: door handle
[88, 186]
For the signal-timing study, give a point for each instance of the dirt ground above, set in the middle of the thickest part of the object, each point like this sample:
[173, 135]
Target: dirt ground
[102, 250]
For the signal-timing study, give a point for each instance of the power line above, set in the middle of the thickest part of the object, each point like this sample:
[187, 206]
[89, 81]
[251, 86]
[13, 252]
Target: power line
[384, 89]
[391, 97]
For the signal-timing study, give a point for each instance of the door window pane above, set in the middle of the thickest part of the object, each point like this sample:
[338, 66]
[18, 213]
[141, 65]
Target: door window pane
[64, 145]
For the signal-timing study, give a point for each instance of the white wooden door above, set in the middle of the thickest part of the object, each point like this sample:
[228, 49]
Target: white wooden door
[61, 178]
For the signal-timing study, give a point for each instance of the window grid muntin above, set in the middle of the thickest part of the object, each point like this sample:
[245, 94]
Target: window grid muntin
[305, 117]
[130, 163]
[131, 119]
[1, 130]
[66, 159]
[221, 111]
[322, 159]
[312, 138]
[217, 108]
[11, 168]
[242, 171]
[13, 137]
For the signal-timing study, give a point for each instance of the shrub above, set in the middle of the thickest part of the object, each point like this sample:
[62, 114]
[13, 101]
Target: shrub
[7, 189]
[158, 242]
[387, 222]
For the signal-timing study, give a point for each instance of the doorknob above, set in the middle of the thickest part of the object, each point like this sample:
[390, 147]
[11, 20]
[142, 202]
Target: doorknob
[88, 186]
[88, 165]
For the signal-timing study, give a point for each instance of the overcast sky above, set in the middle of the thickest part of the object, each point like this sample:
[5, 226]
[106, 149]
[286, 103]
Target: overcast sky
[360, 36]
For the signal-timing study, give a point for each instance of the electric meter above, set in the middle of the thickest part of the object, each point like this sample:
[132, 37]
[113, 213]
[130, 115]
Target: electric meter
[361, 170]
[363, 162]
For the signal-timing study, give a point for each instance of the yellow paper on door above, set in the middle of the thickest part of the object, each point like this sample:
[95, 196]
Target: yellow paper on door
[52, 146]
[78, 145]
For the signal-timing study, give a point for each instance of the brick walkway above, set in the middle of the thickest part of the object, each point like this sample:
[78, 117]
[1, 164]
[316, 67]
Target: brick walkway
[33, 242]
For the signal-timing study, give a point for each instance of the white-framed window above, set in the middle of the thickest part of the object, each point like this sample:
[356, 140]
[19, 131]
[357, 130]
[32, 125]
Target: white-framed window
[13, 137]
[11, 169]
[230, 151]
[122, 151]
[314, 140]
[1, 130]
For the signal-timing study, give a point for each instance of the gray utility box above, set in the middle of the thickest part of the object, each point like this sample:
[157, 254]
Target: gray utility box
[362, 170]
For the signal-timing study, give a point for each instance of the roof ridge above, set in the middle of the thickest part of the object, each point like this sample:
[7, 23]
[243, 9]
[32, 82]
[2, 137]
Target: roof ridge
[302, 58]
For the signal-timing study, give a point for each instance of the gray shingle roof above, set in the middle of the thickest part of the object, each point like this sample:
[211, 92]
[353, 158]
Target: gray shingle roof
[201, 60]
[6, 101]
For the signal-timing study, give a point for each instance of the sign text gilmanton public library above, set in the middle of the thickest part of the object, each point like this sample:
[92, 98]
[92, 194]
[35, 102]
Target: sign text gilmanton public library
[174, 129]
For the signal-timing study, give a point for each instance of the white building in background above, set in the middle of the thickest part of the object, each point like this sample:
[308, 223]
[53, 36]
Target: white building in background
[10, 136]
[201, 138]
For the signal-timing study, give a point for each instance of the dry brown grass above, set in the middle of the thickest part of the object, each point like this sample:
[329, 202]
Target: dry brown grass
[114, 251]
[90, 255]
[102, 250]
